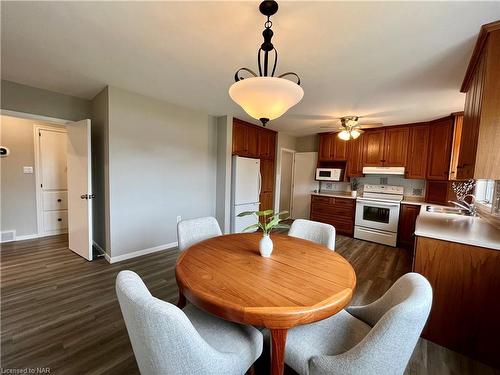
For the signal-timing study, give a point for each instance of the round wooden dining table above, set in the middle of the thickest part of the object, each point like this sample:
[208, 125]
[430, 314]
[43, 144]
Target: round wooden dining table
[301, 282]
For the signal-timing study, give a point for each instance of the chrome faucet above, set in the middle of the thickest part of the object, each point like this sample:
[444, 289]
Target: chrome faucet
[469, 208]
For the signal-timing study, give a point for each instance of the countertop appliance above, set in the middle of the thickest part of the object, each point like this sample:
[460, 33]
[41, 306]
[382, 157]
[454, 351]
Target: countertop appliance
[377, 214]
[328, 174]
[245, 190]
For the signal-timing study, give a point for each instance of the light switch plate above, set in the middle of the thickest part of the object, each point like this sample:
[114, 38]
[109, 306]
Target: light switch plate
[28, 170]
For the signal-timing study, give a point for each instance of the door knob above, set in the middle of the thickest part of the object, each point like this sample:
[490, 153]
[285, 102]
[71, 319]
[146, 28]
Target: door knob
[84, 196]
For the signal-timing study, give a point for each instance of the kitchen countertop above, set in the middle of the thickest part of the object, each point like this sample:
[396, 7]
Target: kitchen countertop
[467, 230]
[336, 194]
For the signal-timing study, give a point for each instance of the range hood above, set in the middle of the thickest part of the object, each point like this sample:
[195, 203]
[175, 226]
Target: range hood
[384, 170]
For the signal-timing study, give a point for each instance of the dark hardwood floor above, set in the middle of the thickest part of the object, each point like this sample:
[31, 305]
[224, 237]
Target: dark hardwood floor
[59, 311]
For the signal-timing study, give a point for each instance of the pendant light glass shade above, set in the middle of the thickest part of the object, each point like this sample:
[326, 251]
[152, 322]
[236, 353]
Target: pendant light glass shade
[355, 133]
[266, 97]
[344, 135]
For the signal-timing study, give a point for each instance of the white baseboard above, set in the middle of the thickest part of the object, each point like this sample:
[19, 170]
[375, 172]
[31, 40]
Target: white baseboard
[35, 235]
[138, 253]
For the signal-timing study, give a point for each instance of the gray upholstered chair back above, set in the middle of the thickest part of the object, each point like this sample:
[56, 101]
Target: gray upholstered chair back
[193, 231]
[397, 318]
[163, 338]
[321, 233]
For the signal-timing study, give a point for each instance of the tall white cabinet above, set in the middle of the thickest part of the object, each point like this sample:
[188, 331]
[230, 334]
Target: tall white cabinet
[52, 177]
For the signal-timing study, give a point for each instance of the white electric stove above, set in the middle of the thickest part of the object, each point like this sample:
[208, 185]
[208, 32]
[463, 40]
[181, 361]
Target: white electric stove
[377, 214]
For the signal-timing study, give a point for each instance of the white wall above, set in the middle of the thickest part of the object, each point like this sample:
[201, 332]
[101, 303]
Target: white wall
[307, 143]
[162, 163]
[224, 160]
[100, 169]
[27, 99]
[18, 190]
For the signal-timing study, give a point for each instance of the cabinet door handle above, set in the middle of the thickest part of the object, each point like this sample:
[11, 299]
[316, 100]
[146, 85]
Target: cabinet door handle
[59, 219]
[84, 196]
[59, 200]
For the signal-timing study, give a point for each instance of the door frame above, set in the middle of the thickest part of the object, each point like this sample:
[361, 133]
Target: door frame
[38, 177]
[277, 196]
[56, 122]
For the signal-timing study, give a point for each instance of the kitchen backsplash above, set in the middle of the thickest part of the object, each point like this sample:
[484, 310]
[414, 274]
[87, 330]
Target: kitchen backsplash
[412, 187]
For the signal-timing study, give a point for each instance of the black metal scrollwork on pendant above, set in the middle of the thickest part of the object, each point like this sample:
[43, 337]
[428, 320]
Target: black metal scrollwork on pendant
[265, 53]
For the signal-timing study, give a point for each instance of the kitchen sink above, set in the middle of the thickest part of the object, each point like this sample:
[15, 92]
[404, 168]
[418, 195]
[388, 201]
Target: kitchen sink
[446, 210]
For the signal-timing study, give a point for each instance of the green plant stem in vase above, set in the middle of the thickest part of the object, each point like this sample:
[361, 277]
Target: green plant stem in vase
[354, 187]
[270, 221]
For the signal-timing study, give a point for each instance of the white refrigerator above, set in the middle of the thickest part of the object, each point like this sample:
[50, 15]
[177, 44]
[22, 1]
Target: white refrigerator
[245, 191]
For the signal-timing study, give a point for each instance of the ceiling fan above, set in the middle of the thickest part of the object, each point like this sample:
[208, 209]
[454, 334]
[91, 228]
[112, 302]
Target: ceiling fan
[350, 127]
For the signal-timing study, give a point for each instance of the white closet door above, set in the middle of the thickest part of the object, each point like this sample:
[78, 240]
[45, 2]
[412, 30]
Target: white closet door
[53, 146]
[79, 189]
[304, 183]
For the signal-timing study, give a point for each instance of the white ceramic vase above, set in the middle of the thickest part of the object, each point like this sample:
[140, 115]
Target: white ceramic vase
[265, 246]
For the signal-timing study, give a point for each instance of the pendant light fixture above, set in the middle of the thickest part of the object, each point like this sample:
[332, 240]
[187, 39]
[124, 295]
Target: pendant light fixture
[349, 128]
[264, 96]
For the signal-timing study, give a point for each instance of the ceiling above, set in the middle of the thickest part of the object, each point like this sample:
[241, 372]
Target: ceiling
[391, 62]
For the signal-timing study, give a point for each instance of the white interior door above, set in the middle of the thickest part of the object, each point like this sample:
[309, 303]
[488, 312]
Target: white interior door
[304, 175]
[286, 176]
[79, 189]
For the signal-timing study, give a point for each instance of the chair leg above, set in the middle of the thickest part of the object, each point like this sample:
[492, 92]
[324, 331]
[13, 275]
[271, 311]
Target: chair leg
[181, 303]
[250, 371]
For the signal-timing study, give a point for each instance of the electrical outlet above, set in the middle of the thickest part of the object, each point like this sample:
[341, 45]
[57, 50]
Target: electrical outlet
[179, 218]
[329, 186]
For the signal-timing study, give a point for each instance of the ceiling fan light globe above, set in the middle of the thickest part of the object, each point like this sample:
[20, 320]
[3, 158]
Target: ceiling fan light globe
[344, 135]
[266, 97]
[355, 133]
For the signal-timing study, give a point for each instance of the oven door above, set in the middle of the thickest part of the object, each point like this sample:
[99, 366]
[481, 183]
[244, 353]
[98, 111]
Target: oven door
[377, 214]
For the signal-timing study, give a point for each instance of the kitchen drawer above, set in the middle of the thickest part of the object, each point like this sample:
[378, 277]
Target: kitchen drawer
[344, 202]
[55, 220]
[333, 210]
[55, 200]
[321, 199]
[343, 226]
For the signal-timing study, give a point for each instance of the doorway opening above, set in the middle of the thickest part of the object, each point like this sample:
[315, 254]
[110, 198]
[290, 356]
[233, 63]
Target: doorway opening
[46, 180]
[286, 181]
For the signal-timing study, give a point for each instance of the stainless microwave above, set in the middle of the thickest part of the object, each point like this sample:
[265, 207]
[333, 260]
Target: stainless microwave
[328, 174]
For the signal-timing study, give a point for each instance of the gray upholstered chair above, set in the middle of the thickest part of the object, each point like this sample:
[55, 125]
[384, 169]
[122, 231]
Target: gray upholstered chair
[192, 231]
[321, 233]
[167, 340]
[378, 338]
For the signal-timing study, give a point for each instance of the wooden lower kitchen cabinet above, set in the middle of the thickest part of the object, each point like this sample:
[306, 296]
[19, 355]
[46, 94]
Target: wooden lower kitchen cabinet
[465, 314]
[338, 212]
[406, 227]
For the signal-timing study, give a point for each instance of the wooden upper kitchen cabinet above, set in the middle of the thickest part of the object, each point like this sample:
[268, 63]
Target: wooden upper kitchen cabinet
[253, 141]
[457, 140]
[267, 184]
[373, 148]
[465, 304]
[338, 212]
[331, 147]
[267, 144]
[354, 157]
[478, 155]
[396, 146]
[418, 145]
[245, 139]
[440, 141]
[406, 227]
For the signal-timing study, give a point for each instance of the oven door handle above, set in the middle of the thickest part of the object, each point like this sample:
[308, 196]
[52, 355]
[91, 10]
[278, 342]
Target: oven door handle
[377, 202]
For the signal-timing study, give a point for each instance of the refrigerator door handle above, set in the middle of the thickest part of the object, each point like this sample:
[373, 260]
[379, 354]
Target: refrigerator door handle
[260, 182]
